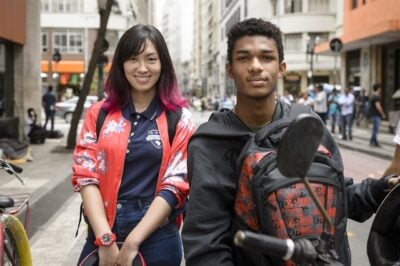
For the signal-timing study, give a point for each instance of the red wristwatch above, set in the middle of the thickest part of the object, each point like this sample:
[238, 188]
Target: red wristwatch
[105, 239]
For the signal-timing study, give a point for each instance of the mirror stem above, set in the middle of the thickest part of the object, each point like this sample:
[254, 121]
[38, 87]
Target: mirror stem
[318, 203]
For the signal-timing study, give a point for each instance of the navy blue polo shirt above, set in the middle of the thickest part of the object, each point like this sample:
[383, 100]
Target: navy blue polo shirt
[143, 155]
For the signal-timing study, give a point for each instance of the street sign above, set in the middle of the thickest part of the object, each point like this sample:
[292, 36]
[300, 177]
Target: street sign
[336, 45]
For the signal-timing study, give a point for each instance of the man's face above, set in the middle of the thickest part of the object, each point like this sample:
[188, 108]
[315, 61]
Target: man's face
[255, 66]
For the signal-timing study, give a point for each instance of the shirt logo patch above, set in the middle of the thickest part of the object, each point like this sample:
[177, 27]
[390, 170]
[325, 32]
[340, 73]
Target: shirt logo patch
[154, 137]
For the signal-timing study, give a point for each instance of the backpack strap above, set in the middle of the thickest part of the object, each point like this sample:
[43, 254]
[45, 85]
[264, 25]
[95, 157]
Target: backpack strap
[276, 126]
[100, 121]
[172, 120]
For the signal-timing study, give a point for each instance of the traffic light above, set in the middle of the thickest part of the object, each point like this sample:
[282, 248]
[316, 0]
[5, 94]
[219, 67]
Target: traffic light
[57, 56]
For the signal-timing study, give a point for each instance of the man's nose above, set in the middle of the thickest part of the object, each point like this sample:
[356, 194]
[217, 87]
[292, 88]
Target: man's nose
[255, 65]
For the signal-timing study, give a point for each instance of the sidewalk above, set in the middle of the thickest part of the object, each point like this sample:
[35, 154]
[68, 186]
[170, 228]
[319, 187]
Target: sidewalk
[360, 142]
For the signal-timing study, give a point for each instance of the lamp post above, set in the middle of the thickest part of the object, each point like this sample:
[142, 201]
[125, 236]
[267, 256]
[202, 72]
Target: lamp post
[311, 43]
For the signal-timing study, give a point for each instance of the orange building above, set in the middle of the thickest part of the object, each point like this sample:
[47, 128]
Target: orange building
[371, 46]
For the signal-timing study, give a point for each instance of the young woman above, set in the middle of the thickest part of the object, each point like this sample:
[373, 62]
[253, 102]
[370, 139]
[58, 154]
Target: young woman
[132, 180]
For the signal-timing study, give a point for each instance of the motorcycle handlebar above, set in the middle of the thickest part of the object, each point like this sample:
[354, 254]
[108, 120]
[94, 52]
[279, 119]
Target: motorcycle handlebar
[6, 165]
[286, 249]
[265, 244]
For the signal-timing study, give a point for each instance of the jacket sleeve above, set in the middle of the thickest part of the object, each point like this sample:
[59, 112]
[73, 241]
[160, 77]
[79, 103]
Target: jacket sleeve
[207, 232]
[84, 158]
[364, 198]
[176, 179]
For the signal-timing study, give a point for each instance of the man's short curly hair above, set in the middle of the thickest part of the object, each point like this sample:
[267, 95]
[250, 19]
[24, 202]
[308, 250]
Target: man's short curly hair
[255, 27]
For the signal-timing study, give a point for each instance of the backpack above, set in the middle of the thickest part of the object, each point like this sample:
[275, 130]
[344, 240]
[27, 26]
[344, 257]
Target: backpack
[269, 203]
[172, 120]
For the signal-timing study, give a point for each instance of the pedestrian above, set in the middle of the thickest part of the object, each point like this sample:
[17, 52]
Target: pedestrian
[132, 181]
[376, 113]
[334, 109]
[394, 167]
[321, 102]
[255, 63]
[361, 108]
[49, 104]
[346, 102]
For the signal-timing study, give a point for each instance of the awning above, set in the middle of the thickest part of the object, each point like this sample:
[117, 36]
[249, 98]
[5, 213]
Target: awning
[378, 34]
[67, 66]
[63, 66]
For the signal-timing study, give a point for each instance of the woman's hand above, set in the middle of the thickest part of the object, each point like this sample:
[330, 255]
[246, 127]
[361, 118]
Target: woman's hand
[127, 253]
[108, 255]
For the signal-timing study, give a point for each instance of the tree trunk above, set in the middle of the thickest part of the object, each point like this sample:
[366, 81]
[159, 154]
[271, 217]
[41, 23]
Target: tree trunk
[104, 15]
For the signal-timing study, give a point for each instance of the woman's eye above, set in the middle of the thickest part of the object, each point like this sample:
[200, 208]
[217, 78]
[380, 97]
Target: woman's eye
[152, 59]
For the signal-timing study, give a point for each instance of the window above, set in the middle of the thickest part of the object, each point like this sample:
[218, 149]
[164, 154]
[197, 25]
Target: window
[232, 20]
[319, 5]
[293, 42]
[319, 37]
[68, 41]
[293, 6]
[67, 6]
[354, 4]
[45, 45]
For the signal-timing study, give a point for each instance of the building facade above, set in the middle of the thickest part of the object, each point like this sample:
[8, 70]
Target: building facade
[70, 28]
[19, 67]
[304, 66]
[371, 47]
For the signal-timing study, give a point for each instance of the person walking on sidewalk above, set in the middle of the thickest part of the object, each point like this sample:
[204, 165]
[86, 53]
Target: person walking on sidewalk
[255, 63]
[132, 180]
[346, 102]
[334, 110]
[376, 113]
[320, 102]
[49, 104]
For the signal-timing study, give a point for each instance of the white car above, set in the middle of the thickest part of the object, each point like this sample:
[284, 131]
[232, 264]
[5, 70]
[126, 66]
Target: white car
[65, 109]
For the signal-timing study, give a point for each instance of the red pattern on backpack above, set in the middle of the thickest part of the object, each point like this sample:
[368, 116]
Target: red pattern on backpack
[244, 204]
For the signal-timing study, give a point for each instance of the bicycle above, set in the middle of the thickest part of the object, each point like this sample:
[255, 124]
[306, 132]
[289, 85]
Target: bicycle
[14, 243]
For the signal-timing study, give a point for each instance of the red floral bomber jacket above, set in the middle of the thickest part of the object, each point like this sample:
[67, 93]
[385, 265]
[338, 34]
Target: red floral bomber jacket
[102, 162]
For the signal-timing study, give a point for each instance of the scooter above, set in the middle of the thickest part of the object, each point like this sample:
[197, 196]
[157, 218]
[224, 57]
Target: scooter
[294, 158]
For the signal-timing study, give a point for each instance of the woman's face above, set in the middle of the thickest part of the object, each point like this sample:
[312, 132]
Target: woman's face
[143, 70]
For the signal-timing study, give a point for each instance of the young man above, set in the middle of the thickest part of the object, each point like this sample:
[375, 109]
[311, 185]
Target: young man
[255, 63]
[49, 105]
[377, 114]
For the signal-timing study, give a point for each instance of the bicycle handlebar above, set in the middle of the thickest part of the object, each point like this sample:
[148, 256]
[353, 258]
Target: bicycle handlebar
[12, 169]
[301, 250]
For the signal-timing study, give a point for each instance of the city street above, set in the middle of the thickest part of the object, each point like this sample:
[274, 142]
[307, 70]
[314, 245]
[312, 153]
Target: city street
[54, 241]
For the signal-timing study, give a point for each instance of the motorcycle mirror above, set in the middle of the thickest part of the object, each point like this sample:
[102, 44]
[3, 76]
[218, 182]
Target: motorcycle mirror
[298, 145]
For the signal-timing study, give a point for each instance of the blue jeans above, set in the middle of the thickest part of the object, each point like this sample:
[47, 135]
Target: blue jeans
[347, 122]
[376, 124]
[162, 247]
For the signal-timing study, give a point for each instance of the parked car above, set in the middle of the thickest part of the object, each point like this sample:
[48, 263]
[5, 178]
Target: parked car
[65, 109]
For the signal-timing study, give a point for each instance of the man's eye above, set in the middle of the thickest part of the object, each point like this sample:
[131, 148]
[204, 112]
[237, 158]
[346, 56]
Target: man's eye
[242, 58]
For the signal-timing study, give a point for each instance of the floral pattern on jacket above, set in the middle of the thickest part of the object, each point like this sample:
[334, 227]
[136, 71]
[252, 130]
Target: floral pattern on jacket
[101, 162]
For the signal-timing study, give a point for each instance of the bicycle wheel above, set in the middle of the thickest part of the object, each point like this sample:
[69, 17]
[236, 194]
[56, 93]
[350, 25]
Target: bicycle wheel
[16, 243]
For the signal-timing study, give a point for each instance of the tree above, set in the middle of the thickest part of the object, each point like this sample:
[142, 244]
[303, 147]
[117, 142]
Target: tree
[104, 12]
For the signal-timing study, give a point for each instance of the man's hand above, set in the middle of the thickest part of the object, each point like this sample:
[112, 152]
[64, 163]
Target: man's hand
[393, 181]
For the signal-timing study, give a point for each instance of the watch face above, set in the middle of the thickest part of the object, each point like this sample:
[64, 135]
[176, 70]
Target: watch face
[106, 239]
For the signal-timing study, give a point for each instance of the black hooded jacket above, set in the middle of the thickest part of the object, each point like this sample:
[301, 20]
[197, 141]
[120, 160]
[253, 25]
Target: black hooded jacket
[209, 225]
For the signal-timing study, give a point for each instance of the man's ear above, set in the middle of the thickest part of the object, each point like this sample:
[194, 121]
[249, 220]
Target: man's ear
[228, 68]
[282, 69]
